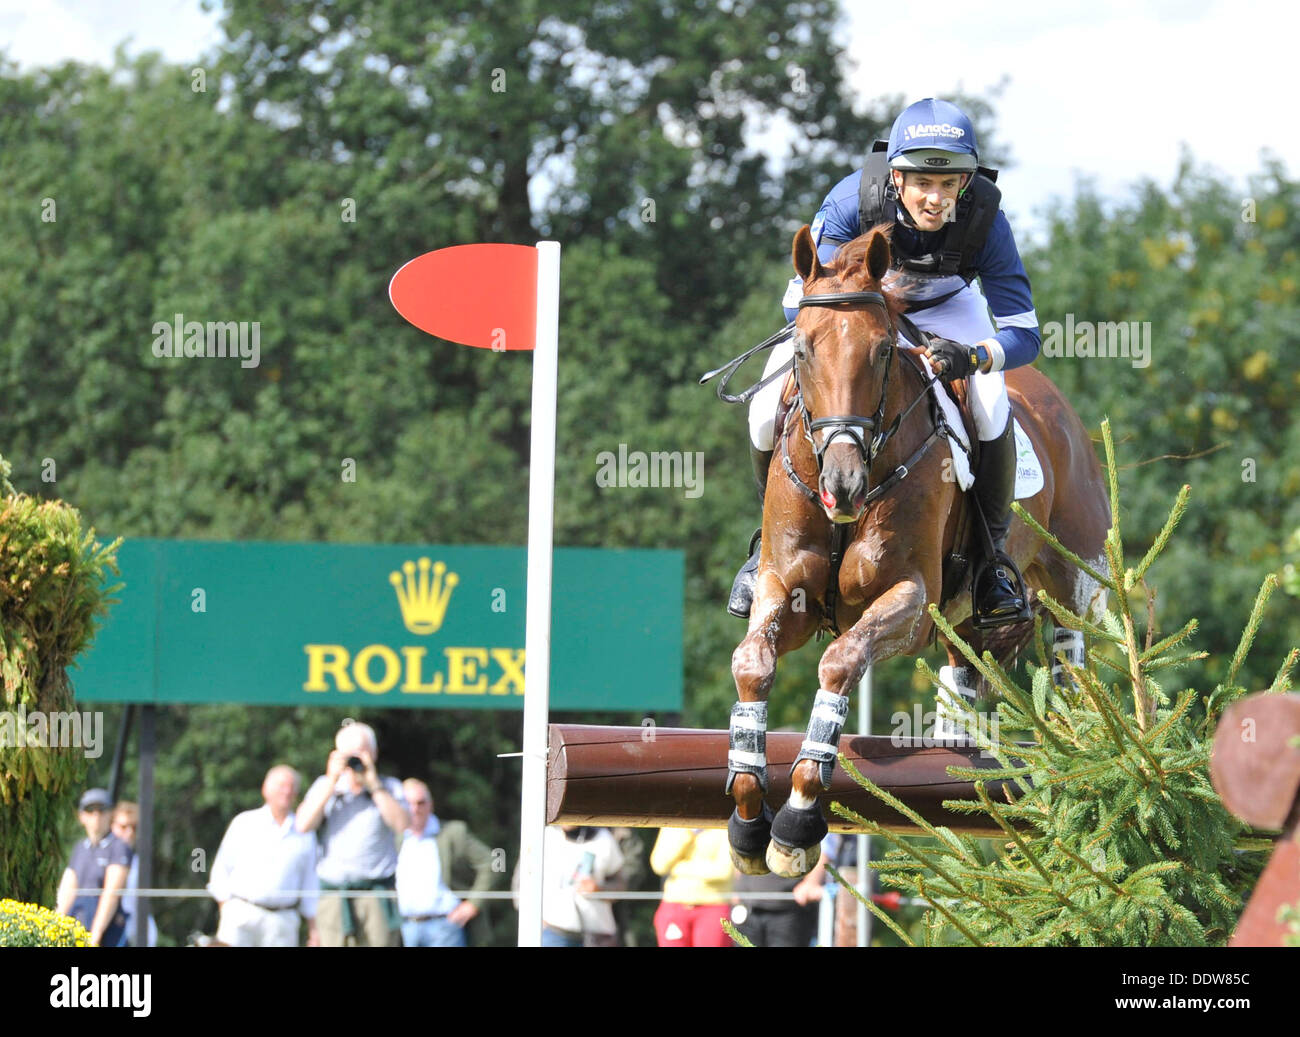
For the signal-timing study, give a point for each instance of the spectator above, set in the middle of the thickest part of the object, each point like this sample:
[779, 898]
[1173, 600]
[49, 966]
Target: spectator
[100, 861]
[358, 815]
[632, 917]
[780, 923]
[696, 863]
[126, 822]
[436, 857]
[262, 864]
[578, 862]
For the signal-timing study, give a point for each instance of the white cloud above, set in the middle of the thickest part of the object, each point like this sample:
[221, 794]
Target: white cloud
[1108, 90]
[52, 31]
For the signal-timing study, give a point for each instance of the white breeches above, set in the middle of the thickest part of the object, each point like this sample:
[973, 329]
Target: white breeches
[963, 318]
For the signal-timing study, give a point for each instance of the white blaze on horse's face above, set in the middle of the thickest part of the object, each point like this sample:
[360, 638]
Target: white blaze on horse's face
[839, 356]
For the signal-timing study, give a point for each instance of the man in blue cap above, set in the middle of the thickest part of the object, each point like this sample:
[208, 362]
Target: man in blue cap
[948, 229]
[100, 861]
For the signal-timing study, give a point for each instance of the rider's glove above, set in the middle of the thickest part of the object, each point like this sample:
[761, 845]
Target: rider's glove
[955, 360]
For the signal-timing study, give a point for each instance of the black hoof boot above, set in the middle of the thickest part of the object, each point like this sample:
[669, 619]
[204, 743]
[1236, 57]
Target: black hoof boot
[796, 844]
[749, 841]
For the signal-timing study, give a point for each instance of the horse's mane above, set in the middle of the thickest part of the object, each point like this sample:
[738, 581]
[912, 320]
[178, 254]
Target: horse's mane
[849, 266]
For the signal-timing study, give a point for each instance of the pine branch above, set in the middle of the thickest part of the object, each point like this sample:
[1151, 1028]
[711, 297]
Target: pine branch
[1252, 628]
[900, 806]
[1172, 641]
[1112, 485]
[1282, 681]
[870, 905]
[1185, 701]
[1007, 689]
[1143, 704]
[1029, 855]
[1065, 617]
[1162, 538]
[740, 938]
[1059, 547]
[949, 916]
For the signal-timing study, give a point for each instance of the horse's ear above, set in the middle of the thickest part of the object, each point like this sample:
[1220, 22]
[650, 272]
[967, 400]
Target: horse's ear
[804, 256]
[878, 256]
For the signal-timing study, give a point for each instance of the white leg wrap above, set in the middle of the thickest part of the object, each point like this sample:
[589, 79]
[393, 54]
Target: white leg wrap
[1068, 645]
[747, 743]
[822, 743]
[950, 725]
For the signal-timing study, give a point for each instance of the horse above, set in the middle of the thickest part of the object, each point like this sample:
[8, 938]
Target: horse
[895, 536]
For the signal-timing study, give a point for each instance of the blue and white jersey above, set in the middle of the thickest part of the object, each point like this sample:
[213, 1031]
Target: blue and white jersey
[1001, 273]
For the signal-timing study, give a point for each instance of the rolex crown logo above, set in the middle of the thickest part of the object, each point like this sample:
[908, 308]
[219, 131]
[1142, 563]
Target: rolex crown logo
[423, 597]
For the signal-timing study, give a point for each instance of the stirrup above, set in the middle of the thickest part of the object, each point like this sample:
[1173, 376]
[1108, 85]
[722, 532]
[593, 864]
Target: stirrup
[984, 621]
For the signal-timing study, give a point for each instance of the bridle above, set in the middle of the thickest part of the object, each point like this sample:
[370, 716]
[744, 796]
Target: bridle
[844, 424]
[870, 440]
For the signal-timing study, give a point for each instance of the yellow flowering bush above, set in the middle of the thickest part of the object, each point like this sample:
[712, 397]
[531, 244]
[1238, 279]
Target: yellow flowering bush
[30, 925]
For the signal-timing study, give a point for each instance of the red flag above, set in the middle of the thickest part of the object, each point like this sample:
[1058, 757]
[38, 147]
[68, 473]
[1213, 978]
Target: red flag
[477, 295]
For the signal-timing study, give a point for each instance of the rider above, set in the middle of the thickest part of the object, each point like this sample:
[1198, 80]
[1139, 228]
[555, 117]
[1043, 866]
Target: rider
[933, 161]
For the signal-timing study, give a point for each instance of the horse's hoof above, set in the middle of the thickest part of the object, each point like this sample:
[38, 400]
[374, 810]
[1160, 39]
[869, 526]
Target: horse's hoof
[791, 862]
[748, 865]
[747, 839]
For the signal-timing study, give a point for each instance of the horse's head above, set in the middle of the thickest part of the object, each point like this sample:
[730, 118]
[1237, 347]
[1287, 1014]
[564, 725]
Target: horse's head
[843, 345]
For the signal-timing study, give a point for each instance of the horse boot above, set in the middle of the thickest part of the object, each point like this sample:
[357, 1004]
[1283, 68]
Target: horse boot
[998, 587]
[742, 588]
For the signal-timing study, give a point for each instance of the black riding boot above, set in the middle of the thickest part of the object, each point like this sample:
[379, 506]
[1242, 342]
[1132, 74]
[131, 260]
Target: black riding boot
[999, 594]
[742, 589]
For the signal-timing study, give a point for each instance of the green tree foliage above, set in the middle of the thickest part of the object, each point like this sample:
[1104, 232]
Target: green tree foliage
[1215, 273]
[1116, 837]
[52, 594]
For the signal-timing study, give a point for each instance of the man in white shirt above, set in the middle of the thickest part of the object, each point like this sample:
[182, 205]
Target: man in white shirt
[435, 854]
[262, 862]
[357, 816]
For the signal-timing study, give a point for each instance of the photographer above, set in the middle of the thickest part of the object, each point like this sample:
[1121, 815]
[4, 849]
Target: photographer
[356, 814]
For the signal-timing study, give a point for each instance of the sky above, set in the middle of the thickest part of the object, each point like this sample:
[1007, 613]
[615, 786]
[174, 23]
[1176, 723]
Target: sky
[1107, 90]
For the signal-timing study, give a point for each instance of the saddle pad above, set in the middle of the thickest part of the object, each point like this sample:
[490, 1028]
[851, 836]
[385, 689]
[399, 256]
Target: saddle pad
[1029, 470]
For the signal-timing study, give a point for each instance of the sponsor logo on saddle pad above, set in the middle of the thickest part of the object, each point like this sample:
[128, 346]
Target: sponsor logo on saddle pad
[1029, 472]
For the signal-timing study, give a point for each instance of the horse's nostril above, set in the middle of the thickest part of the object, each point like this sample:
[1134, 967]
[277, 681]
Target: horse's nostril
[828, 498]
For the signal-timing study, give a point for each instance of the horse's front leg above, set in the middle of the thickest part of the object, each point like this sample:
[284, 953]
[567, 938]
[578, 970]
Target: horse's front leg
[775, 627]
[887, 628]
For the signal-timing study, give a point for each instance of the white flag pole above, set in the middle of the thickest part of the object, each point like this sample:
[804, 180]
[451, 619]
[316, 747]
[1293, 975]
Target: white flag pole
[537, 635]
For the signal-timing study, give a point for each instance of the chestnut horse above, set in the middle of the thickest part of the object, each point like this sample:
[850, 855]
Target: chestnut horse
[886, 475]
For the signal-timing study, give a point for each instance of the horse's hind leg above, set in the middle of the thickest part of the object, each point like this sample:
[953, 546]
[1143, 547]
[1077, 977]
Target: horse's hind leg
[775, 628]
[959, 684]
[1087, 598]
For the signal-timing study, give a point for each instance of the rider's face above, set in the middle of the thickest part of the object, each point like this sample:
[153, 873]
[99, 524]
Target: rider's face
[930, 198]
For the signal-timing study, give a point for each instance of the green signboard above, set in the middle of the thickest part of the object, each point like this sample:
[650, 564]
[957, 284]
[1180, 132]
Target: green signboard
[422, 626]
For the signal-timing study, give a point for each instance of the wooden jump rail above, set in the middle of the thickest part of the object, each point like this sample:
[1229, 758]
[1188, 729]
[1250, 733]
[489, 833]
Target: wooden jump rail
[658, 777]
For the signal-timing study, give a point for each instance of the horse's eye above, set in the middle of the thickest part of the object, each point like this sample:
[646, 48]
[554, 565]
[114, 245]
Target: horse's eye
[800, 345]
